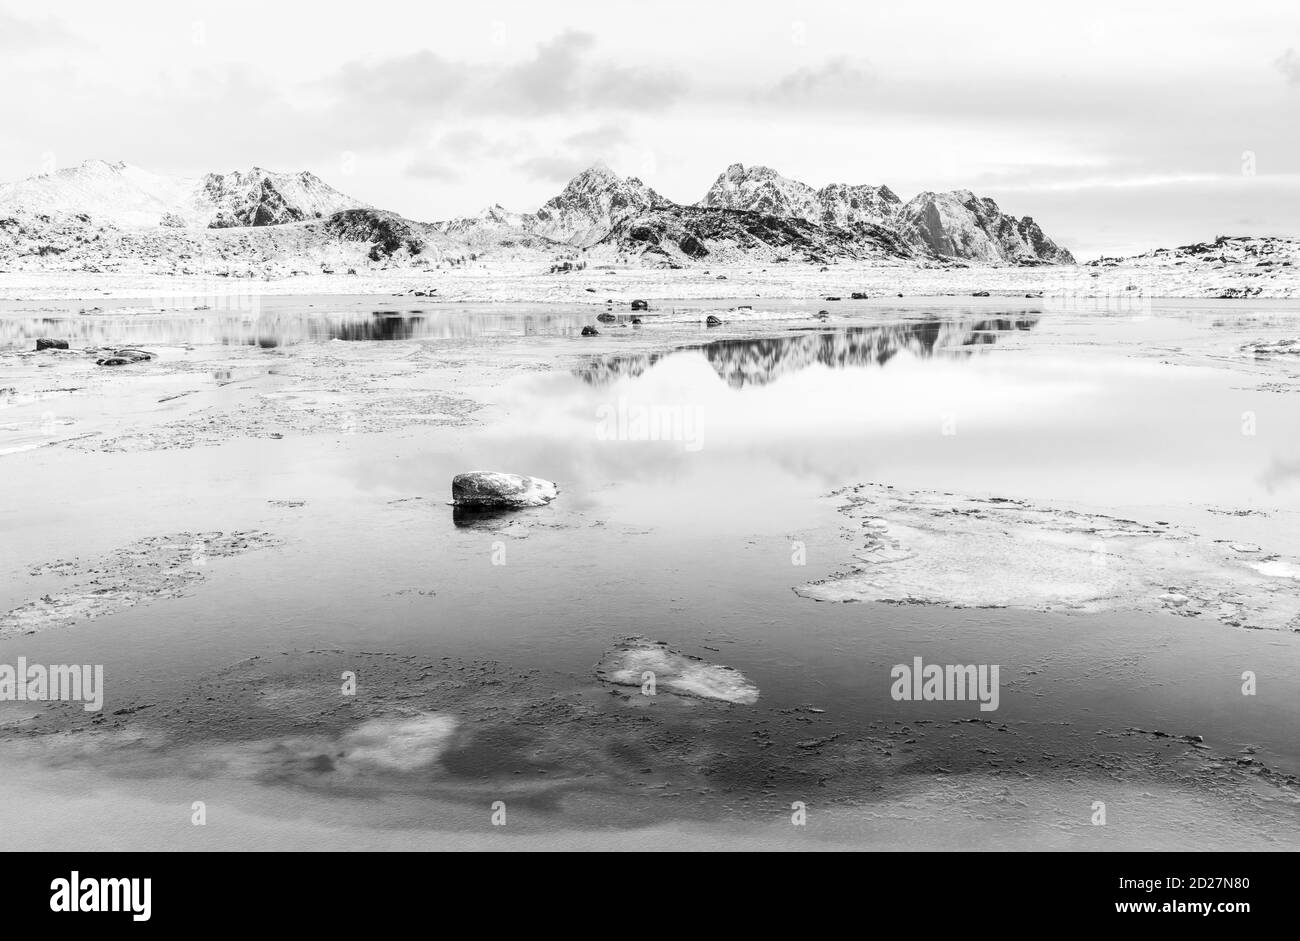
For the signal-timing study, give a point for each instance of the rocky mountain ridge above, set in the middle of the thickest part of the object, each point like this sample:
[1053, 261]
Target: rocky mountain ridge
[756, 213]
[953, 225]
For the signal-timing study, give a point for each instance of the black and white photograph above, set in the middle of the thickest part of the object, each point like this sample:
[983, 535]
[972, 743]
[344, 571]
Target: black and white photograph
[593, 427]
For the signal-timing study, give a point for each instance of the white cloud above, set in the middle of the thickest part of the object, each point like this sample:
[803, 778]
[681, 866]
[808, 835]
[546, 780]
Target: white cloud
[20, 35]
[1289, 65]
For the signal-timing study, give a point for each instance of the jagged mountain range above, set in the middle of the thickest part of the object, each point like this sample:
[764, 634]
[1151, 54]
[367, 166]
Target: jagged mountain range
[114, 216]
[947, 225]
[759, 211]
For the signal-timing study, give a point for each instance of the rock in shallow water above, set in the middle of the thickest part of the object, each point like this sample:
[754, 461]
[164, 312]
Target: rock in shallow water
[123, 358]
[44, 344]
[489, 489]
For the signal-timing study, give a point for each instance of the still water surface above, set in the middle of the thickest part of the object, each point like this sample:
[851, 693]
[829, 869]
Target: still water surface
[693, 480]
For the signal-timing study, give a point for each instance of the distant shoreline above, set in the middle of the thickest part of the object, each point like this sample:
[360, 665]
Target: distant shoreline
[1110, 288]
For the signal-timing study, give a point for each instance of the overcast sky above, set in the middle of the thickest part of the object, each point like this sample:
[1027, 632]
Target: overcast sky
[1119, 126]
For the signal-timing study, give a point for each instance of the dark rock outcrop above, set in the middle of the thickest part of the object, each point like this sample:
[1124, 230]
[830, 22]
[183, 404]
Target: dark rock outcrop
[387, 232]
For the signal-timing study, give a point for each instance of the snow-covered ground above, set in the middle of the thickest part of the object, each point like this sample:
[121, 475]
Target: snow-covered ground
[1110, 287]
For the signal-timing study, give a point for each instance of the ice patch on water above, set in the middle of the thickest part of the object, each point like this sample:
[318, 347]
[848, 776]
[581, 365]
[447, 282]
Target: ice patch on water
[1276, 568]
[627, 664]
[146, 570]
[398, 744]
[974, 551]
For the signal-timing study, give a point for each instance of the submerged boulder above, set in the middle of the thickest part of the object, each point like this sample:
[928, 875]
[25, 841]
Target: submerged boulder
[493, 490]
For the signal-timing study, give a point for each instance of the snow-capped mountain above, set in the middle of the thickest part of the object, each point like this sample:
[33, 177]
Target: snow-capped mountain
[603, 212]
[955, 225]
[592, 205]
[960, 224]
[494, 215]
[123, 195]
[260, 197]
[762, 189]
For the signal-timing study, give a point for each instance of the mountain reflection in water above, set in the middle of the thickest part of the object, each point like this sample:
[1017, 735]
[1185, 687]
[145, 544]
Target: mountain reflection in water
[742, 363]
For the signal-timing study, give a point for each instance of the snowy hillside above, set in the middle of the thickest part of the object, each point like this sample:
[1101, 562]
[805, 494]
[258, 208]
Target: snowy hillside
[1229, 267]
[123, 195]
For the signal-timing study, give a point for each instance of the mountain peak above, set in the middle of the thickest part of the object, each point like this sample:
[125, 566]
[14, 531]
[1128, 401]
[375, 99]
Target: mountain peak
[761, 189]
[91, 167]
[592, 204]
[599, 170]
